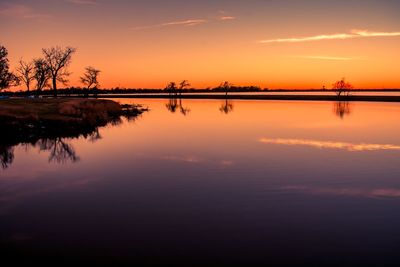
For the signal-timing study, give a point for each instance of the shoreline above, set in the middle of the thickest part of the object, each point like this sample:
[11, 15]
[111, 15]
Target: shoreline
[262, 97]
[28, 120]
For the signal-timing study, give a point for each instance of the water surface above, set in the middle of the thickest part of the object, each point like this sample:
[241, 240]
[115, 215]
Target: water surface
[204, 182]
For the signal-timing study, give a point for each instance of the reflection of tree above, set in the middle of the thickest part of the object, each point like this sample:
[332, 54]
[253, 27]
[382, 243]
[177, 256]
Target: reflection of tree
[95, 136]
[184, 110]
[342, 108]
[60, 151]
[226, 107]
[6, 156]
[174, 104]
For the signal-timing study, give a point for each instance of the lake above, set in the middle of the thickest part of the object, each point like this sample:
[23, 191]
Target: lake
[212, 183]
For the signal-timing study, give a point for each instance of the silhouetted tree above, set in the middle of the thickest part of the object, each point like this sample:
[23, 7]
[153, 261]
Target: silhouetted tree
[342, 87]
[41, 74]
[58, 60]
[7, 78]
[183, 85]
[171, 88]
[226, 86]
[25, 72]
[90, 78]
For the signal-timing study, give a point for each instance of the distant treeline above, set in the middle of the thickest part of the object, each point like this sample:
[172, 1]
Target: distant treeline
[237, 89]
[117, 90]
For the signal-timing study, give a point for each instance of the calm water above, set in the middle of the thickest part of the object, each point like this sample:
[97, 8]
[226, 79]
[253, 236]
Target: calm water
[212, 184]
[328, 93]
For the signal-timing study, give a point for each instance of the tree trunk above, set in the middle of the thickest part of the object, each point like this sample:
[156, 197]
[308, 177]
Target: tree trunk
[55, 87]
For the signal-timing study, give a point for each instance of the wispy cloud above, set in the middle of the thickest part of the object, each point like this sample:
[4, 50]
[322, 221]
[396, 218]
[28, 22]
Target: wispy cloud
[332, 58]
[227, 18]
[83, 2]
[188, 22]
[224, 16]
[20, 11]
[338, 36]
[330, 144]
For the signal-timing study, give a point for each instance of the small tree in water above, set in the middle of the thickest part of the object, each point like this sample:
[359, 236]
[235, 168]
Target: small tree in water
[183, 85]
[90, 78]
[226, 86]
[171, 88]
[342, 87]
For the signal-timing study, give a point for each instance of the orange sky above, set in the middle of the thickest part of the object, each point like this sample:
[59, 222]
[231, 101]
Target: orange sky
[275, 44]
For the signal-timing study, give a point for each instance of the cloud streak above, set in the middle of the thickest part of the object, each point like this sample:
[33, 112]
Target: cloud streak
[330, 145]
[227, 18]
[338, 36]
[189, 22]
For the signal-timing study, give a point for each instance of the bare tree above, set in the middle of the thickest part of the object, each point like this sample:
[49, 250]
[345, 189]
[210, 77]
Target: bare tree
[41, 74]
[226, 86]
[90, 78]
[171, 88]
[58, 60]
[7, 78]
[342, 87]
[183, 85]
[25, 72]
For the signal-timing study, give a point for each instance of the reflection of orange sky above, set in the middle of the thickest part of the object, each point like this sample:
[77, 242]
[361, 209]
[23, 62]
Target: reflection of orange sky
[253, 120]
[329, 144]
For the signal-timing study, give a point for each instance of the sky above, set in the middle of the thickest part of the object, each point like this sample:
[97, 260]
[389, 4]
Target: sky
[277, 44]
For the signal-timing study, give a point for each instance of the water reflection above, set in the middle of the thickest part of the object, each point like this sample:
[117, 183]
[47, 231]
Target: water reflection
[342, 109]
[6, 156]
[227, 107]
[60, 150]
[329, 144]
[174, 104]
[56, 143]
[146, 189]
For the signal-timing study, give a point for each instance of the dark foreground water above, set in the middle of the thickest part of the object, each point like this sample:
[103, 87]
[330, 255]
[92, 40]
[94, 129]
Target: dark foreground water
[211, 183]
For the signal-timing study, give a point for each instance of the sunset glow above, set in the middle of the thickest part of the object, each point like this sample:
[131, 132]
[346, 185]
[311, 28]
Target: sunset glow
[273, 44]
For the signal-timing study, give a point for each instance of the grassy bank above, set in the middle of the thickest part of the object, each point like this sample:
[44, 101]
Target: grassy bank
[26, 120]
